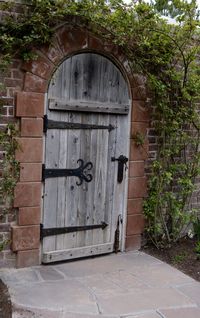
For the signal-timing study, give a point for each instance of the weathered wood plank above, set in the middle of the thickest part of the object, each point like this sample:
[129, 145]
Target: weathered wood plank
[61, 255]
[50, 187]
[61, 184]
[72, 190]
[83, 106]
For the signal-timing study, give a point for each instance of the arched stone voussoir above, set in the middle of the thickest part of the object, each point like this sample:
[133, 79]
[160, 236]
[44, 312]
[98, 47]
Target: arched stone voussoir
[71, 39]
[34, 83]
[41, 66]
[52, 51]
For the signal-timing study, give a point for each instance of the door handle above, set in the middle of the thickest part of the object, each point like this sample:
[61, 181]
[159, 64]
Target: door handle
[122, 161]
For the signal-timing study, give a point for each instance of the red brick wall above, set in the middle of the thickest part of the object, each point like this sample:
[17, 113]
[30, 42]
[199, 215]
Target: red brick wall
[13, 81]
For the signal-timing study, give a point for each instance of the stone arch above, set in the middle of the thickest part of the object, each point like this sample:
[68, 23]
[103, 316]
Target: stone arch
[69, 40]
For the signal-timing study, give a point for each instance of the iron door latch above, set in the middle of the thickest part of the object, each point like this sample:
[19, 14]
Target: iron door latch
[122, 161]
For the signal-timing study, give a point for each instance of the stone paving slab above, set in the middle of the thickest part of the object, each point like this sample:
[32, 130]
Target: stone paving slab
[146, 315]
[71, 315]
[126, 285]
[143, 300]
[181, 312]
[192, 291]
[19, 276]
[49, 274]
[58, 295]
[160, 276]
[107, 264]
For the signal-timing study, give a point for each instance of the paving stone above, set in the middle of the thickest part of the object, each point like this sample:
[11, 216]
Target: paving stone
[68, 295]
[192, 291]
[146, 315]
[125, 280]
[109, 263]
[20, 276]
[150, 299]
[140, 259]
[49, 273]
[181, 312]
[99, 284]
[90, 267]
[78, 315]
[161, 275]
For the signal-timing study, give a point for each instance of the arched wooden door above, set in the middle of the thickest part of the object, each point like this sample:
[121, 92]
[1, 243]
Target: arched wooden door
[86, 145]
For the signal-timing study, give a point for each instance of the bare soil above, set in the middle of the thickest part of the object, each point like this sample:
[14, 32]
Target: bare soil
[181, 255]
[5, 303]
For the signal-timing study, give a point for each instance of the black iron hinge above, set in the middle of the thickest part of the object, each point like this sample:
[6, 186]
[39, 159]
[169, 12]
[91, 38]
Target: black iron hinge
[69, 229]
[53, 124]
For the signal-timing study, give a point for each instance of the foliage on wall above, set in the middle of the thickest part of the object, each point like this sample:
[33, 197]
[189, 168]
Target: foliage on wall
[167, 54]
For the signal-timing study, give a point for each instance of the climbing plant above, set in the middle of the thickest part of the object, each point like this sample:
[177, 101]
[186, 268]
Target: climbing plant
[167, 55]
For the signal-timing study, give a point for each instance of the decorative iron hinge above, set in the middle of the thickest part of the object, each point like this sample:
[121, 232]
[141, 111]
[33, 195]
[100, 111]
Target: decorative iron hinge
[63, 230]
[81, 172]
[53, 124]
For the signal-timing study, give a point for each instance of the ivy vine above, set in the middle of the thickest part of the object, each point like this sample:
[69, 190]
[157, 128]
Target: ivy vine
[167, 55]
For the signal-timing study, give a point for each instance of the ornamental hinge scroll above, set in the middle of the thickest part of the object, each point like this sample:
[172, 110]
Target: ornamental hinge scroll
[81, 172]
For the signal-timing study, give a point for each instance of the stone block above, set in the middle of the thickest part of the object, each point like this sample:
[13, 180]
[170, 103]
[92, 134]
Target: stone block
[34, 83]
[27, 194]
[27, 258]
[139, 92]
[95, 43]
[139, 128]
[135, 224]
[53, 52]
[25, 237]
[30, 172]
[40, 66]
[72, 40]
[138, 153]
[135, 206]
[29, 150]
[140, 111]
[136, 168]
[133, 242]
[137, 187]
[31, 127]
[29, 104]
[29, 215]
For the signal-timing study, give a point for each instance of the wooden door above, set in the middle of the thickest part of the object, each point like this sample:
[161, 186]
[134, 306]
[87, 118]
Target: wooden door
[86, 126]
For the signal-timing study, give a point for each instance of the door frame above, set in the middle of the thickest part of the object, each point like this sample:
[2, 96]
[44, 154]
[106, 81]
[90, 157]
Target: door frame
[29, 104]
